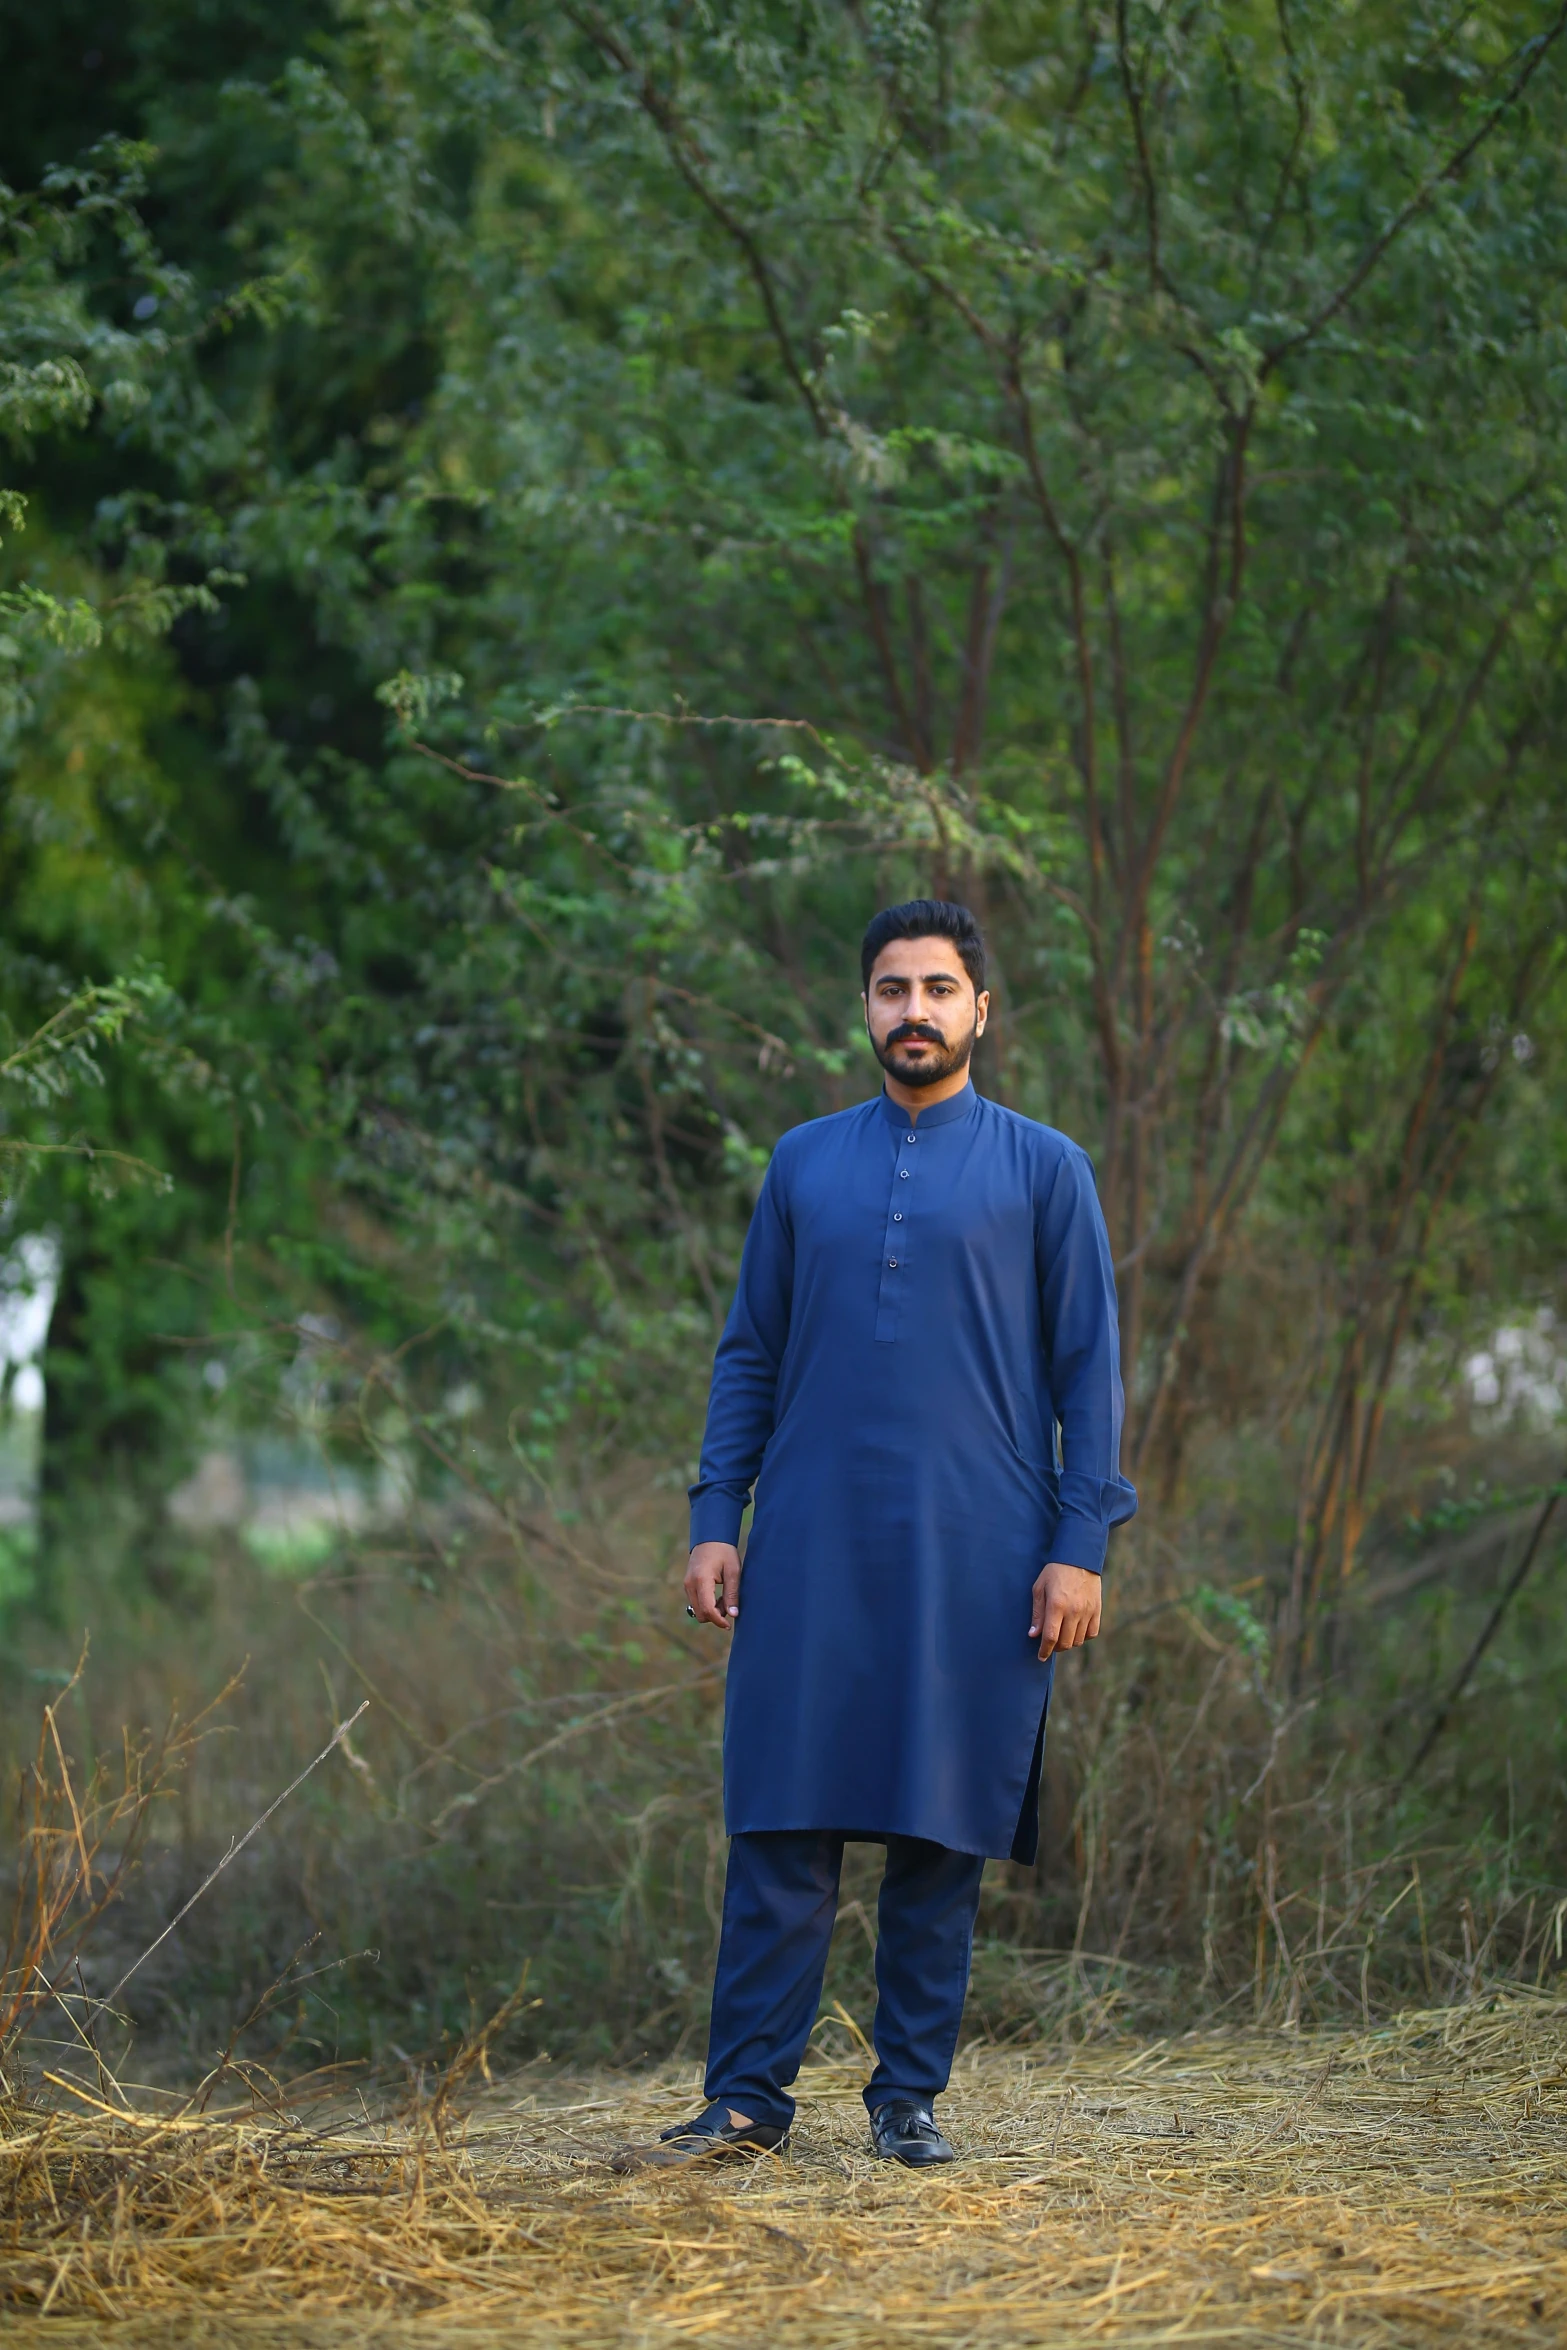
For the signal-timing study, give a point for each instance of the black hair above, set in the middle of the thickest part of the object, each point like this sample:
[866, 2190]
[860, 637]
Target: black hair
[925, 918]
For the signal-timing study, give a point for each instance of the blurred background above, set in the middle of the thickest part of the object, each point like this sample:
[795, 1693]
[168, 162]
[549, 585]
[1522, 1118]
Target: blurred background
[521, 528]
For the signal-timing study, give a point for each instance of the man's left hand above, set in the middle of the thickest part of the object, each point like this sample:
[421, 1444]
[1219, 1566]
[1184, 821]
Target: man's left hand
[1066, 1608]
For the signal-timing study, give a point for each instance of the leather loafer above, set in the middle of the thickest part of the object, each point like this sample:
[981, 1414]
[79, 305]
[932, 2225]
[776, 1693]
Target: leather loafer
[712, 2137]
[902, 2131]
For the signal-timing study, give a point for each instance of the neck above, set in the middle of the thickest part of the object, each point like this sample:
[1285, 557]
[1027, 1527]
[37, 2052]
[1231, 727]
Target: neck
[924, 1097]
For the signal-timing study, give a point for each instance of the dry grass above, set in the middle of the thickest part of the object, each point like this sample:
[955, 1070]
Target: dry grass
[1399, 2184]
[520, 1788]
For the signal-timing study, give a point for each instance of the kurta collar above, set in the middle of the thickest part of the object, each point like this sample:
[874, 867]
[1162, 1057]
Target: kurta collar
[957, 1106]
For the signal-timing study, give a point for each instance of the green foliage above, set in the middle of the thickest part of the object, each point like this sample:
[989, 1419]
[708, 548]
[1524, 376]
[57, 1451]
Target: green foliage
[1110, 468]
[522, 527]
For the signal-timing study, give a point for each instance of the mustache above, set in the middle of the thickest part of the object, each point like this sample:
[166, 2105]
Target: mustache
[907, 1031]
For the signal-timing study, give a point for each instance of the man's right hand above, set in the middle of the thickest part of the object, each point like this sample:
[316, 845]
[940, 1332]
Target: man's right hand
[713, 1584]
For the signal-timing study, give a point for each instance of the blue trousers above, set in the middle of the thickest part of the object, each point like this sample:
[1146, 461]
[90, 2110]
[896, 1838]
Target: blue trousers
[780, 1904]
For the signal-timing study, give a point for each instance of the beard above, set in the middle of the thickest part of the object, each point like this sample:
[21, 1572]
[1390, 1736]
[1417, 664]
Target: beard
[940, 1060]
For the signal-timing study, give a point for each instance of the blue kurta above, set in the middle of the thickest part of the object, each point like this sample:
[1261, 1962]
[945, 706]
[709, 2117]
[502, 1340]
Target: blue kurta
[923, 1298]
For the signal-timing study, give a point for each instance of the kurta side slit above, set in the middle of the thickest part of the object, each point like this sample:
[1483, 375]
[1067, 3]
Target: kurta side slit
[1025, 1836]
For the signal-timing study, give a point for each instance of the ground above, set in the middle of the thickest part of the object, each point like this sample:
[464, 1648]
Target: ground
[1397, 2185]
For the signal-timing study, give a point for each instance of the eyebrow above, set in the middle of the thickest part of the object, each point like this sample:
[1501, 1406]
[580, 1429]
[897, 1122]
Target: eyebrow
[926, 978]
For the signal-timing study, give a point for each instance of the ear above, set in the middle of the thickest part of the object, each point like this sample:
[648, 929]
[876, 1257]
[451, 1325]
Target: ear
[981, 1010]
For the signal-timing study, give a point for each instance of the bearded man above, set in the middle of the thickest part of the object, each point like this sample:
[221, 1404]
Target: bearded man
[920, 1378]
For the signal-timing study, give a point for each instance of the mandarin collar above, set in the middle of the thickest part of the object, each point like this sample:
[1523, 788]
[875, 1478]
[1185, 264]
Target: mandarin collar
[957, 1105]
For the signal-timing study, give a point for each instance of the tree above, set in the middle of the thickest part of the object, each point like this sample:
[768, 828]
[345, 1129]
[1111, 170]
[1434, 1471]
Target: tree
[1137, 442]
[1104, 465]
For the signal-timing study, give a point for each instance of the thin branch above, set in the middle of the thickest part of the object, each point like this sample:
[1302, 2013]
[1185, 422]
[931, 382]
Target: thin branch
[689, 161]
[673, 718]
[687, 157]
[1425, 195]
[1250, 1152]
[1419, 800]
[235, 1849]
[1302, 100]
[1493, 1625]
[614, 1711]
[1134, 108]
[1230, 509]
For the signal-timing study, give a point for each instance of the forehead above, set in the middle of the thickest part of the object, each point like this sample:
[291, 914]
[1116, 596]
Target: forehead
[918, 958]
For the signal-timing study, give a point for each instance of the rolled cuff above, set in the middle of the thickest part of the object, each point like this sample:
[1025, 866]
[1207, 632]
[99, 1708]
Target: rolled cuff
[716, 1514]
[1079, 1541]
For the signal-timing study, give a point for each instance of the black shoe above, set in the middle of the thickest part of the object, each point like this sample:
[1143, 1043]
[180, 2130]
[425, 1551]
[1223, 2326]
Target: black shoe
[902, 2131]
[711, 2137]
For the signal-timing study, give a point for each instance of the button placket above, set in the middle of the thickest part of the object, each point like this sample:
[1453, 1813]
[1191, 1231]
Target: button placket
[895, 1262]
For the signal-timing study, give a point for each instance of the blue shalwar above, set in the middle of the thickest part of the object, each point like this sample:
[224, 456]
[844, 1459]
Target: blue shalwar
[920, 1379]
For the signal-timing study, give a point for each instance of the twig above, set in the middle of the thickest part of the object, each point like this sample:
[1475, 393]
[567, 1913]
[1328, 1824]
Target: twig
[476, 2051]
[605, 1713]
[1515, 1584]
[234, 1850]
[1535, 52]
[678, 718]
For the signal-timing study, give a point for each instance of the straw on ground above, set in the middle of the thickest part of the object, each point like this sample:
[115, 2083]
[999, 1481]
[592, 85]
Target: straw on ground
[1397, 2185]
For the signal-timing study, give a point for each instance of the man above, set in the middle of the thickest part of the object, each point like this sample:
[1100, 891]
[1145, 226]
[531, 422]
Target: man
[920, 1377]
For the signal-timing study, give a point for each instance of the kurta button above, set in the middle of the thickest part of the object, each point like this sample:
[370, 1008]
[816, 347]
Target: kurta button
[892, 1264]
[897, 1215]
[911, 1138]
[903, 1174]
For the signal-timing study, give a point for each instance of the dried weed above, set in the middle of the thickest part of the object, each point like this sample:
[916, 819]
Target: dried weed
[1399, 2184]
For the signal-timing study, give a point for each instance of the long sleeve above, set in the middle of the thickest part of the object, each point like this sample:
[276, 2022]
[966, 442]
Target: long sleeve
[745, 1370]
[1083, 1363]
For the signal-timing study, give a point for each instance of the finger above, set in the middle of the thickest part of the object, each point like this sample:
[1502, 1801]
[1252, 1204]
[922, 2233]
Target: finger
[1036, 1609]
[731, 1600]
[1055, 1615]
[699, 1595]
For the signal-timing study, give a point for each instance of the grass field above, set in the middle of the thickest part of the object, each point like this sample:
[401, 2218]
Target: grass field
[1400, 2184]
